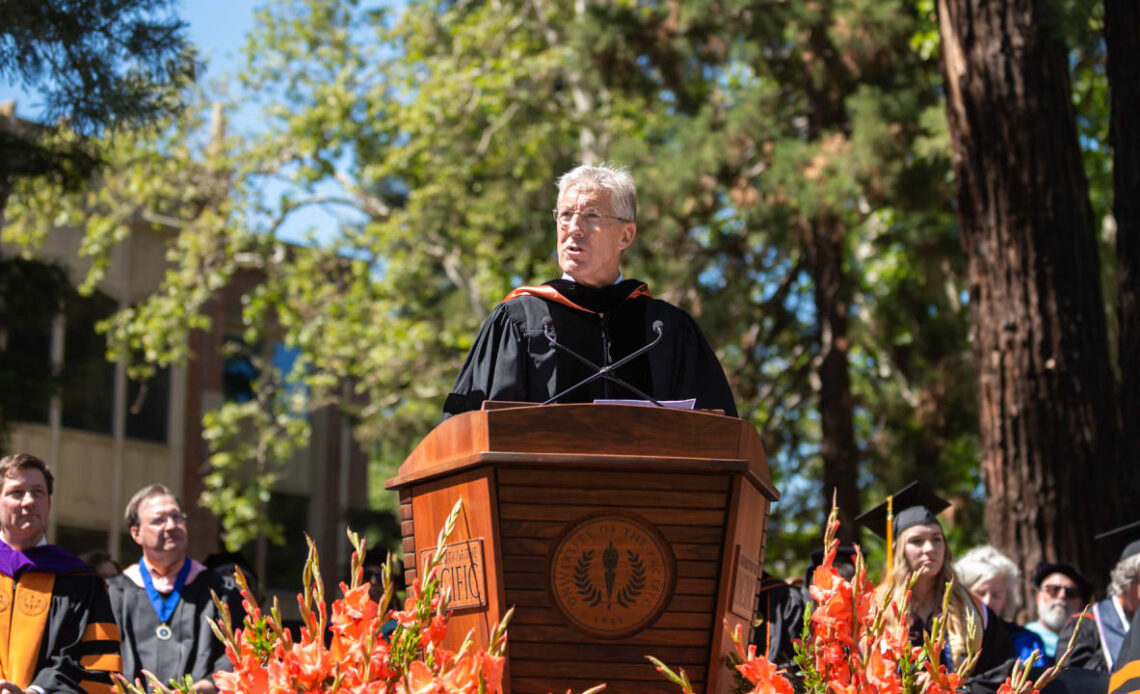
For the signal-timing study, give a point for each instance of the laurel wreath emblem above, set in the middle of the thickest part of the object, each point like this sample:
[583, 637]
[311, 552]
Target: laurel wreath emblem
[636, 585]
[586, 588]
[629, 593]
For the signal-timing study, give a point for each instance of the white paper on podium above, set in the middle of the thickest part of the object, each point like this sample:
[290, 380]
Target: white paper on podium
[689, 404]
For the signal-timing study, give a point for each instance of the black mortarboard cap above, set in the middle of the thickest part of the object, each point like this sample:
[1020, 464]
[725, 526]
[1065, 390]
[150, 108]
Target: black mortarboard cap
[913, 505]
[1127, 533]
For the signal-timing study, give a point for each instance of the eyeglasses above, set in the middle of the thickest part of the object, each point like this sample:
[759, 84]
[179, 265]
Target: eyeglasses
[160, 521]
[1055, 591]
[589, 217]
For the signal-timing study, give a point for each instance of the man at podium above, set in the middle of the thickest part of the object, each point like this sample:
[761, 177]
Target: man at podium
[545, 342]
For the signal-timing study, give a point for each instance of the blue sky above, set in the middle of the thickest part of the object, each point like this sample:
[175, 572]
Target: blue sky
[218, 29]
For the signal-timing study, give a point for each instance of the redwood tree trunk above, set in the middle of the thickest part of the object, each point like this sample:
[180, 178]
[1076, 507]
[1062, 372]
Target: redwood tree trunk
[825, 245]
[1046, 397]
[1122, 37]
[825, 248]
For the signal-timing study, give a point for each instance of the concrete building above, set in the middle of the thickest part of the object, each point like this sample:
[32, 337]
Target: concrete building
[106, 437]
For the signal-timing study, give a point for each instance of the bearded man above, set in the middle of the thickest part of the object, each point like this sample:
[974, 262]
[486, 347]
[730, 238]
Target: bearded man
[1061, 592]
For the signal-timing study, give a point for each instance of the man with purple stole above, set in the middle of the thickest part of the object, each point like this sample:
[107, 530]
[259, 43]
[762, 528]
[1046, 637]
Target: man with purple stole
[163, 604]
[57, 633]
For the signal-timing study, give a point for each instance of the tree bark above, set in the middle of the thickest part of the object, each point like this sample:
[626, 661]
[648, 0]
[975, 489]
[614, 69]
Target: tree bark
[1122, 38]
[1046, 399]
[825, 246]
[825, 249]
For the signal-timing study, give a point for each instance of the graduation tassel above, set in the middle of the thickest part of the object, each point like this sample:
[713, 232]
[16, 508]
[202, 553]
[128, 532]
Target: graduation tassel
[890, 535]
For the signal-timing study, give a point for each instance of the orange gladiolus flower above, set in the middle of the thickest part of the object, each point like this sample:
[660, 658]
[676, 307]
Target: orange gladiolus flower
[883, 674]
[420, 680]
[765, 677]
[493, 671]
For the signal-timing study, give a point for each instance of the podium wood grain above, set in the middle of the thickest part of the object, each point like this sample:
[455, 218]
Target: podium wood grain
[528, 475]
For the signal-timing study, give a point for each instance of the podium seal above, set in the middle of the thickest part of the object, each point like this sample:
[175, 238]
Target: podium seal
[611, 575]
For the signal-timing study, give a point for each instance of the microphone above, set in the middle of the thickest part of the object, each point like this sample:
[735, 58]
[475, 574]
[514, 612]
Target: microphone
[606, 372]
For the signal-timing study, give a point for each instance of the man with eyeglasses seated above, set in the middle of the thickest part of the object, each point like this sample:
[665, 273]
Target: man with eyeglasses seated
[594, 311]
[1061, 592]
[162, 604]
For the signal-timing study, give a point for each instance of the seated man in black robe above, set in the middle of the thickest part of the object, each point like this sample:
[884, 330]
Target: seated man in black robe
[594, 311]
[163, 604]
[58, 634]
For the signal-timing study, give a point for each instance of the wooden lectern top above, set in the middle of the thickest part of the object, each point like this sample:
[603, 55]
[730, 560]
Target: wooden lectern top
[618, 435]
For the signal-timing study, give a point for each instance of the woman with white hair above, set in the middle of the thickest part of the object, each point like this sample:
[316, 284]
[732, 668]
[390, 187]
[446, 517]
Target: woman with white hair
[993, 578]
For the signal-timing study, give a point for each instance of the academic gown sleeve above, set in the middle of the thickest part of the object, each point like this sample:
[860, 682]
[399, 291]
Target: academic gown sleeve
[80, 648]
[210, 656]
[1126, 673]
[1026, 643]
[1087, 652]
[996, 658]
[690, 366]
[495, 368]
[781, 610]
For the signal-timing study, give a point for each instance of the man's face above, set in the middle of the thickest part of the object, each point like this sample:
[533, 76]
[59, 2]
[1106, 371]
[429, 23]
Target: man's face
[1058, 597]
[24, 508]
[590, 246]
[162, 527]
[1131, 597]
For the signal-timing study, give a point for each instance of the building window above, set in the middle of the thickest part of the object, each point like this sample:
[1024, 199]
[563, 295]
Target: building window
[284, 563]
[88, 378]
[147, 415]
[31, 293]
[240, 370]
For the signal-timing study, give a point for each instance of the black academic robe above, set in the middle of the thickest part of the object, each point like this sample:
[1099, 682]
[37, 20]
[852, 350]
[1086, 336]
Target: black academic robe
[1099, 639]
[1126, 673]
[78, 641]
[193, 649]
[781, 619]
[513, 360]
[996, 656]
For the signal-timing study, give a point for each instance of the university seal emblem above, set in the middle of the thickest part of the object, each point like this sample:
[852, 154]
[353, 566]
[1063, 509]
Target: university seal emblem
[33, 603]
[5, 599]
[611, 575]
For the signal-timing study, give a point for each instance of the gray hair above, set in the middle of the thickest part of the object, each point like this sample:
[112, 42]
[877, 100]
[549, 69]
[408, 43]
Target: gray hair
[1123, 574]
[984, 562]
[132, 513]
[615, 181]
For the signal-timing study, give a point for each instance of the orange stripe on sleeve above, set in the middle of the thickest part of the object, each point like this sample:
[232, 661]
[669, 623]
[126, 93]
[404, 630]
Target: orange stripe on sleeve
[1121, 676]
[111, 662]
[96, 687]
[101, 631]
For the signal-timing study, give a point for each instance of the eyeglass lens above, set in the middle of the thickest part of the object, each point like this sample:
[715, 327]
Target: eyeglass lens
[1055, 591]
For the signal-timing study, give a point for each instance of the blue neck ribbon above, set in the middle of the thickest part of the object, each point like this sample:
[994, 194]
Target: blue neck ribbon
[165, 606]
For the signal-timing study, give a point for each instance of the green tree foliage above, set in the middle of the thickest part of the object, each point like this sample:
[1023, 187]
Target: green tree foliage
[97, 64]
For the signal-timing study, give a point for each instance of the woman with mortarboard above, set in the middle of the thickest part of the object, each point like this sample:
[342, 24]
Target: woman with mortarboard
[920, 548]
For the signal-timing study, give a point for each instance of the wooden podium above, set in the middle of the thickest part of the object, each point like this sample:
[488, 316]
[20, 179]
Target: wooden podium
[616, 531]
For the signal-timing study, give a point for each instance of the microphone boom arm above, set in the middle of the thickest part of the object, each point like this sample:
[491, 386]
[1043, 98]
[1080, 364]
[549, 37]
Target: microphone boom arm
[605, 372]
